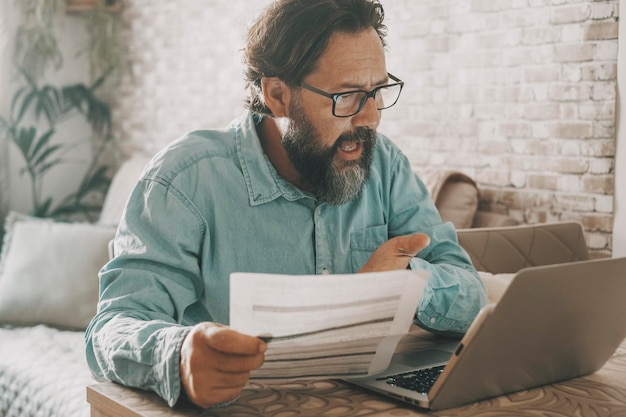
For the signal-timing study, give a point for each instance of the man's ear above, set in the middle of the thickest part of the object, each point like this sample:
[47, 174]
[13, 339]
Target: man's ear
[276, 95]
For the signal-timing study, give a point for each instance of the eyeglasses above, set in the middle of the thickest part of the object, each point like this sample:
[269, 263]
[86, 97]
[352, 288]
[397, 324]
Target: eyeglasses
[349, 103]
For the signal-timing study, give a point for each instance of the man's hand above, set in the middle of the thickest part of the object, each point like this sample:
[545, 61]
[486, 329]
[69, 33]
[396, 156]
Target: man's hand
[215, 363]
[396, 253]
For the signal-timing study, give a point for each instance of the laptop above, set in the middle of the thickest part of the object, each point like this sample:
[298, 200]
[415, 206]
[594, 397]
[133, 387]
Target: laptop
[553, 323]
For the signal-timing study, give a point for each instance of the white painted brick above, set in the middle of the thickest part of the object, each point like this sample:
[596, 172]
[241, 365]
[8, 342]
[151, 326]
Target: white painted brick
[602, 71]
[518, 179]
[575, 202]
[604, 203]
[597, 241]
[493, 87]
[573, 33]
[569, 183]
[569, 110]
[605, 51]
[598, 110]
[604, 91]
[601, 166]
[603, 129]
[602, 11]
[540, 131]
[571, 73]
[601, 30]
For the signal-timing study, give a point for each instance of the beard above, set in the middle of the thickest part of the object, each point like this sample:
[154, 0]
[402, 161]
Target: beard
[332, 180]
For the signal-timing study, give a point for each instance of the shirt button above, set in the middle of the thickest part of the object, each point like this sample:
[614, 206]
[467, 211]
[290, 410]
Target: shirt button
[325, 271]
[433, 320]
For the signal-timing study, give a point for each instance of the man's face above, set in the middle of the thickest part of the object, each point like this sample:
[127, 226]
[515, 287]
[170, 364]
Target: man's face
[331, 178]
[333, 155]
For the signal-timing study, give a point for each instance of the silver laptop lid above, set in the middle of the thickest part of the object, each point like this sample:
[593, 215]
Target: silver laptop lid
[553, 323]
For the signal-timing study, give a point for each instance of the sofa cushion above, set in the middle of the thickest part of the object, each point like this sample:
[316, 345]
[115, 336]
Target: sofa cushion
[121, 186]
[495, 284]
[49, 271]
[455, 196]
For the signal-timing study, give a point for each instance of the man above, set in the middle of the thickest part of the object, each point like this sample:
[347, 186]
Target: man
[301, 184]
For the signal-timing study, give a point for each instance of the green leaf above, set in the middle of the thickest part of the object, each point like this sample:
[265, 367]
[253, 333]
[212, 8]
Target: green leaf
[98, 83]
[42, 168]
[99, 115]
[84, 100]
[48, 103]
[29, 78]
[97, 181]
[42, 209]
[16, 98]
[41, 142]
[45, 155]
[30, 96]
[74, 96]
[24, 140]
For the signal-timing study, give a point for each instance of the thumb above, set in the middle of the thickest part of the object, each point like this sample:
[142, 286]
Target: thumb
[410, 245]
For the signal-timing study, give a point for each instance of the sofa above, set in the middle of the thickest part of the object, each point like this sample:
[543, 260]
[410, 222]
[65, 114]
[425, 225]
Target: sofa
[48, 291]
[48, 295]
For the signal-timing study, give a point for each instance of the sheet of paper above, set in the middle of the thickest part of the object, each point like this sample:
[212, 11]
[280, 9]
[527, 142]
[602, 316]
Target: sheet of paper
[325, 326]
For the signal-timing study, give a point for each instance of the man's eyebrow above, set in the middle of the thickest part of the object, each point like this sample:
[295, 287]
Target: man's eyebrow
[355, 86]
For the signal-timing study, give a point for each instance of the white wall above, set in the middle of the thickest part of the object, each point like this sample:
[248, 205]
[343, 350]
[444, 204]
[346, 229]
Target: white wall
[518, 94]
[619, 225]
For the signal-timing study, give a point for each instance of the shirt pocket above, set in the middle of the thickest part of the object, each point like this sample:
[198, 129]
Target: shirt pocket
[364, 242]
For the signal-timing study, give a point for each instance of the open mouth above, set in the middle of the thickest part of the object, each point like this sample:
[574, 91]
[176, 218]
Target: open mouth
[350, 150]
[350, 146]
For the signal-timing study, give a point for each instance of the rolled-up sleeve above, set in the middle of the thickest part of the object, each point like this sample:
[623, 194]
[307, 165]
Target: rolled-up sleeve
[136, 336]
[455, 293]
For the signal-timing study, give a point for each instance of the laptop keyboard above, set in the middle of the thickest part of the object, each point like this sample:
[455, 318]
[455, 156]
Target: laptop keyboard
[420, 381]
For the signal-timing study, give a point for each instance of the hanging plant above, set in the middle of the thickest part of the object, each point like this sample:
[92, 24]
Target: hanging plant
[36, 43]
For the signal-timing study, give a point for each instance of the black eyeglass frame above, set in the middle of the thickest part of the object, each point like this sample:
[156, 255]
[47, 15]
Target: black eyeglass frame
[334, 97]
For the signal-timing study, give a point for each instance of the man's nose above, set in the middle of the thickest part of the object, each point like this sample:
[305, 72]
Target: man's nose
[369, 116]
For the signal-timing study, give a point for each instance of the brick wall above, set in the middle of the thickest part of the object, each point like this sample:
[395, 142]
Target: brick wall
[519, 94]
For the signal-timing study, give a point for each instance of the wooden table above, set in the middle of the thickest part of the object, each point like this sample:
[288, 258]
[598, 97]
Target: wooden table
[600, 394]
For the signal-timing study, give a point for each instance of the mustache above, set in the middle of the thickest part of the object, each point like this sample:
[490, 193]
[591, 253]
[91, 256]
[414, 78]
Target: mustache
[360, 134]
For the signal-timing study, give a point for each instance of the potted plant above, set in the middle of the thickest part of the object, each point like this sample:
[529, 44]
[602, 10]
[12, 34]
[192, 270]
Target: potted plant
[37, 107]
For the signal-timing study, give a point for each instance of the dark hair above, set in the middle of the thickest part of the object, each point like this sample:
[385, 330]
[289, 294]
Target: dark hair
[289, 37]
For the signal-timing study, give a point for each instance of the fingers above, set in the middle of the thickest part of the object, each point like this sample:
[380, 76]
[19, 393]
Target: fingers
[396, 253]
[226, 350]
[223, 339]
[215, 363]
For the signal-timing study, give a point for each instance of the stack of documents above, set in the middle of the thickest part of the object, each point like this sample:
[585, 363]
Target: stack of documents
[325, 326]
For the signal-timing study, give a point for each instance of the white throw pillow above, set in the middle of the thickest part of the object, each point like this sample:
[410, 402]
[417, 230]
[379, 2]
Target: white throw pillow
[495, 284]
[49, 271]
[121, 186]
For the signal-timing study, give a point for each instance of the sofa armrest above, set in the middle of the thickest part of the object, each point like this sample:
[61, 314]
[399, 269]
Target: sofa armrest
[509, 249]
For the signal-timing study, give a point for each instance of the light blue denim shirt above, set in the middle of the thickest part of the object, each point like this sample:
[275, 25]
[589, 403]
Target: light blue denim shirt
[210, 204]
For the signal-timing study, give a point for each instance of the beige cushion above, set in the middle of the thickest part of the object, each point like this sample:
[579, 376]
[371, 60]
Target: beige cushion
[49, 271]
[457, 203]
[455, 196]
[120, 189]
[495, 284]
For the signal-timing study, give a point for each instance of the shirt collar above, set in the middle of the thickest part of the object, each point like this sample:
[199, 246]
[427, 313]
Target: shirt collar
[263, 182]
